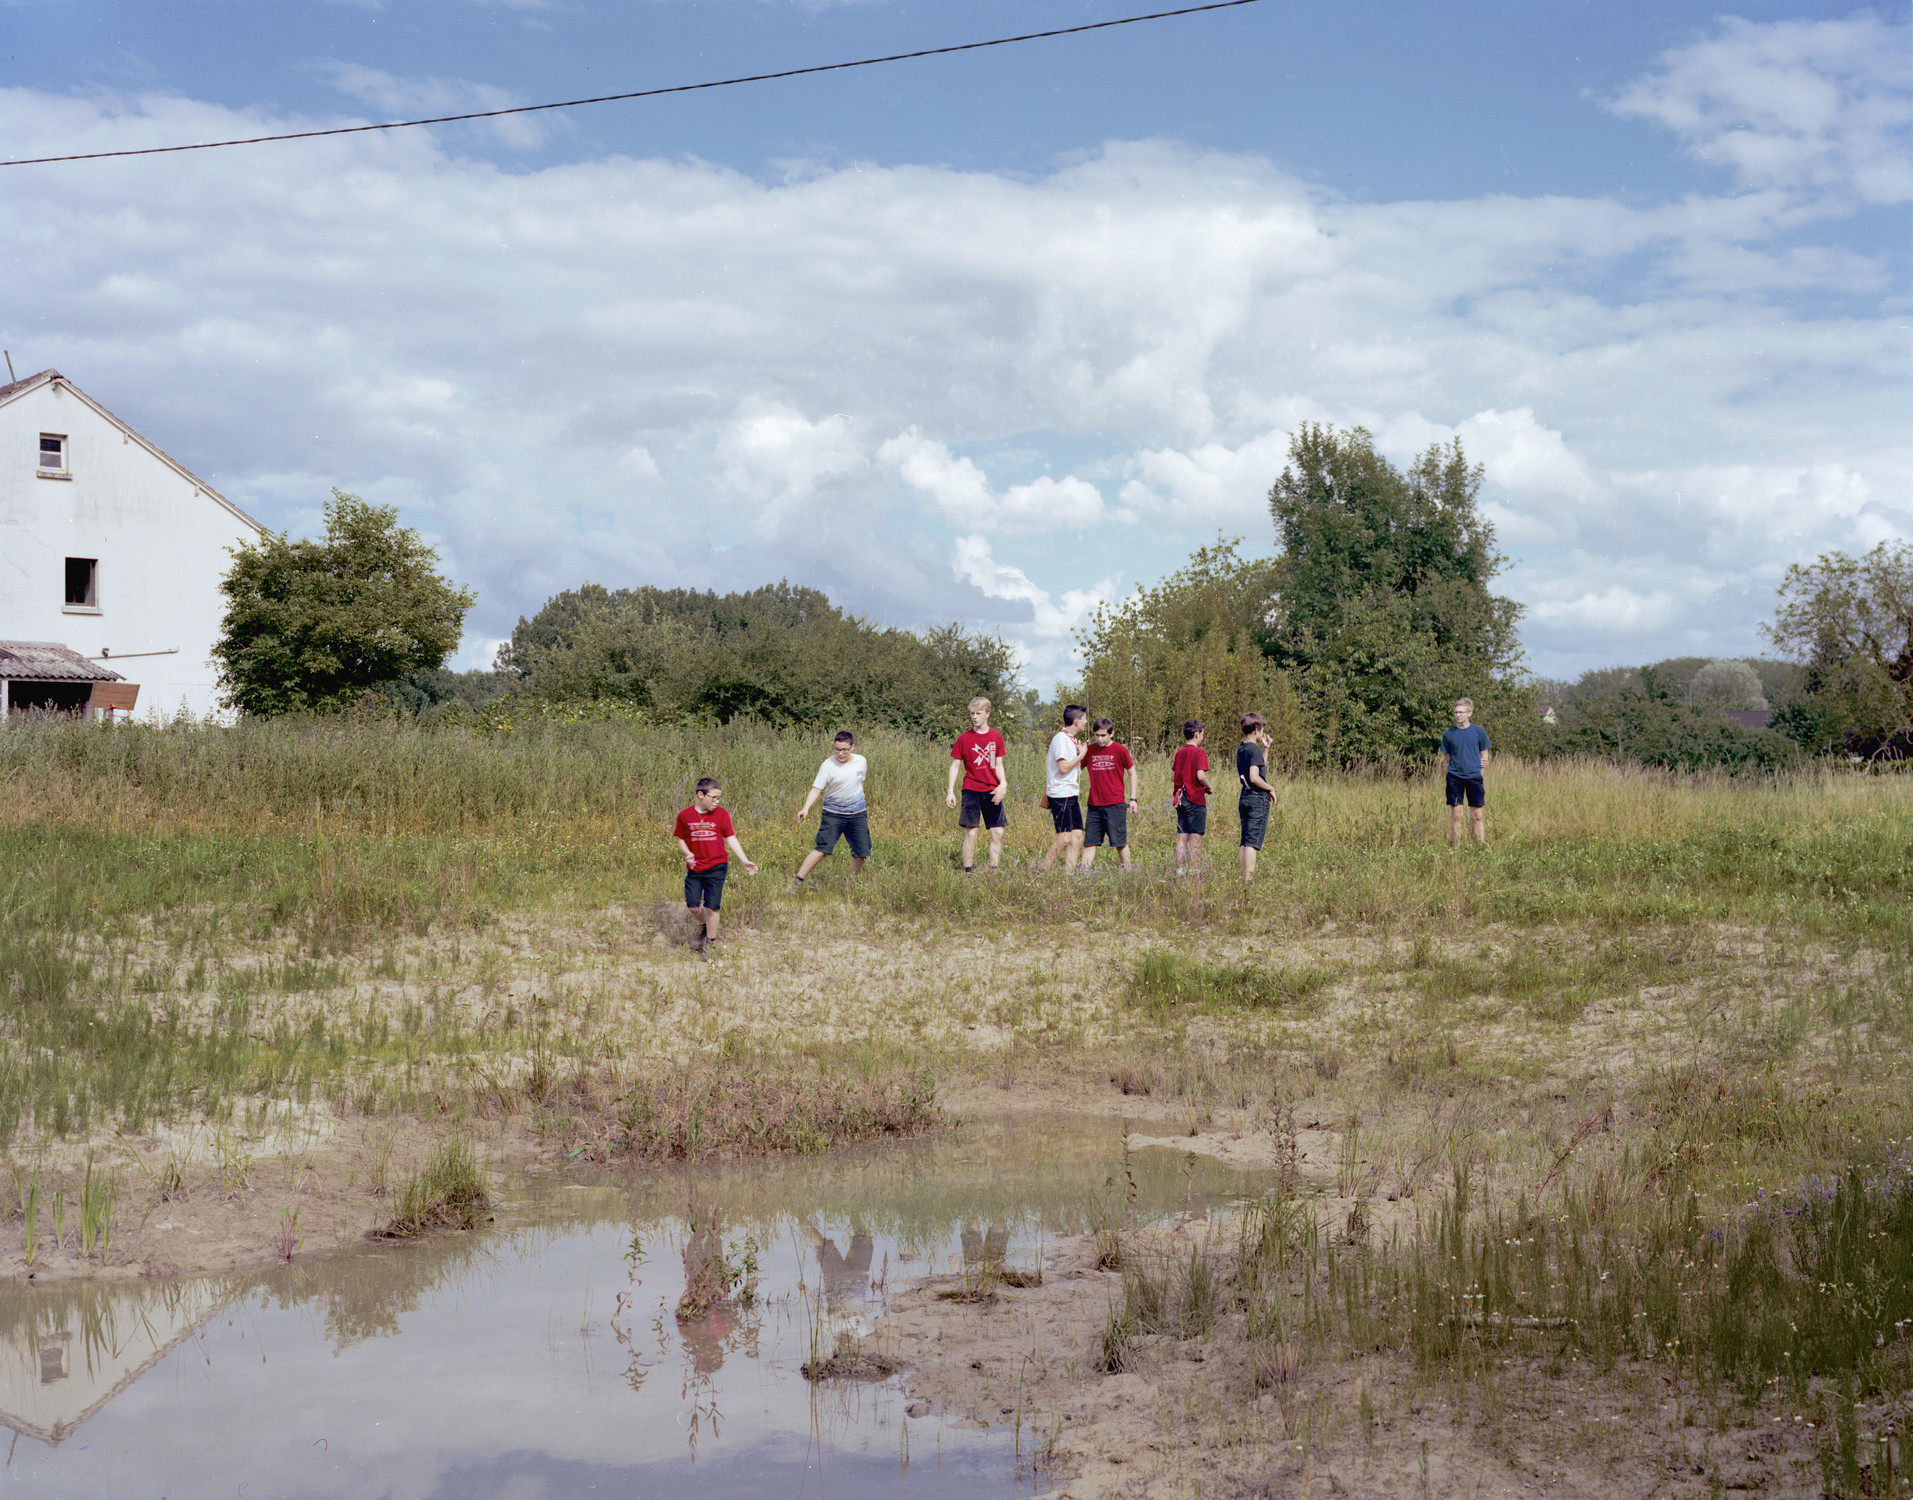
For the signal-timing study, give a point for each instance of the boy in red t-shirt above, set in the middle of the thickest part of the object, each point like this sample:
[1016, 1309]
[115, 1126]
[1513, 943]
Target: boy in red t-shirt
[1189, 774]
[978, 754]
[705, 835]
[1112, 792]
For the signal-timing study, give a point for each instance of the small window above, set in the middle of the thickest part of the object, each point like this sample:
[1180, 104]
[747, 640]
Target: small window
[83, 583]
[53, 452]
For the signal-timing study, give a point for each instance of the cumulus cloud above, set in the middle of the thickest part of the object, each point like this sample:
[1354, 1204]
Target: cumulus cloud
[1053, 622]
[672, 372]
[1799, 105]
[963, 491]
[423, 98]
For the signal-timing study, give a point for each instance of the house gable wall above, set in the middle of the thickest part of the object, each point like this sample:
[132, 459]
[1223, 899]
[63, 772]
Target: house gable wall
[160, 536]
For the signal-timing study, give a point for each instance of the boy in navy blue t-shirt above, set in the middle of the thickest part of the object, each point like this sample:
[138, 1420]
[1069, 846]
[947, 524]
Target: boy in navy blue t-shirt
[1464, 754]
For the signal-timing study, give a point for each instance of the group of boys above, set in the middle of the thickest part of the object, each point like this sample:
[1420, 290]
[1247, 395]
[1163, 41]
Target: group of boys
[979, 757]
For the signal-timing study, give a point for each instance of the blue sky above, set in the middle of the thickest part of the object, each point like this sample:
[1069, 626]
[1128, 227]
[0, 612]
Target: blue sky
[1001, 335]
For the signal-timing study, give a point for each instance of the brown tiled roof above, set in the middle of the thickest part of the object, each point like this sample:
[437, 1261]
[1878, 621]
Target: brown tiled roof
[24, 381]
[48, 661]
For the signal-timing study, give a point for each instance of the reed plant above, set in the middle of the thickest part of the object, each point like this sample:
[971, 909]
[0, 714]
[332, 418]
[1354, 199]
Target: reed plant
[448, 1192]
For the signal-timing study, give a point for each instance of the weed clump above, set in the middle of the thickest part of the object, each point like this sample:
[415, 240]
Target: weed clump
[1166, 985]
[448, 1192]
[733, 1110]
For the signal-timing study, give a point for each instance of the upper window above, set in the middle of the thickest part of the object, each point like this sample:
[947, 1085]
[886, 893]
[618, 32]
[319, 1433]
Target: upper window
[82, 583]
[52, 453]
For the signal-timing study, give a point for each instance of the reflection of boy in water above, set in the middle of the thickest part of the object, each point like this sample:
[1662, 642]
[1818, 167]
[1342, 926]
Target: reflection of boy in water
[706, 1318]
[985, 1247]
[845, 1276]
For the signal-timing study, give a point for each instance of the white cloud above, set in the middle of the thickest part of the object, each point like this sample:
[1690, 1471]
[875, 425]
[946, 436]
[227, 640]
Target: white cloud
[1052, 654]
[1613, 611]
[425, 98]
[963, 491]
[670, 372]
[1801, 105]
[774, 453]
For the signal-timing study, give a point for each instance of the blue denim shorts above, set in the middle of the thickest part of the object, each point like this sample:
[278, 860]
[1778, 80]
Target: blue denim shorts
[852, 828]
[705, 888]
[1253, 810]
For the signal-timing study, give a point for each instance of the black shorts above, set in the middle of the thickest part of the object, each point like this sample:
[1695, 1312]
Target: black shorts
[1110, 821]
[705, 888]
[980, 807]
[1469, 789]
[1253, 810]
[1067, 814]
[1191, 818]
[852, 828]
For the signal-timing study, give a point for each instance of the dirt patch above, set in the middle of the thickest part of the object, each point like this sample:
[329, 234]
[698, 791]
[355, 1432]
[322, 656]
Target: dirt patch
[1190, 1413]
[191, 1203]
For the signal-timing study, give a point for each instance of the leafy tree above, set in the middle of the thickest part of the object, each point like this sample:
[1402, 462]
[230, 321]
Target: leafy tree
[315, 625]
[1643, 718]
[1849, 622]
[1382, 607]
[1191, 647]
[781, 653]
[1726, 685]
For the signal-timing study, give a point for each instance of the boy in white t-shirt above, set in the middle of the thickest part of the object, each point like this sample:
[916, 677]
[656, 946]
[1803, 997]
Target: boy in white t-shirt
[1062, 764]
[840, 781]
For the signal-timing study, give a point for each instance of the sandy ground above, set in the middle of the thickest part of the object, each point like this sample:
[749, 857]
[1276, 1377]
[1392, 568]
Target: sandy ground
[1190, 1422]
[236, 1202]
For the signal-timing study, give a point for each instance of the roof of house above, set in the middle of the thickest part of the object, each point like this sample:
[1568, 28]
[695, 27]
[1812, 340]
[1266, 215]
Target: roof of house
[49, 661]
[54, 377]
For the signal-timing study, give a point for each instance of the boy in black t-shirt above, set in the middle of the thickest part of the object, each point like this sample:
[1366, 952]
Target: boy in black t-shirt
[1256, 795]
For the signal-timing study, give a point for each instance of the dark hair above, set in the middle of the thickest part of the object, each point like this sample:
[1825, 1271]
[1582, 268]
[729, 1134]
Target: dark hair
[842, 735]
[709, 784]
[1253, 722]
[1192, 727]
[1074, 712]
[1101, 724]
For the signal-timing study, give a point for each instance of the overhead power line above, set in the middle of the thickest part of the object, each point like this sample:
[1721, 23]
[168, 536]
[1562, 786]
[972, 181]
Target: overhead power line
[681, 88]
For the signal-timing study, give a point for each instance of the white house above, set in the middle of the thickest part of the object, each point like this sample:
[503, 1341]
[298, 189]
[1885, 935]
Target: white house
[109, 547]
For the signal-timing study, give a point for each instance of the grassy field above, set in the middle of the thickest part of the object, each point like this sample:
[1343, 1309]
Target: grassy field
[1653, 1008]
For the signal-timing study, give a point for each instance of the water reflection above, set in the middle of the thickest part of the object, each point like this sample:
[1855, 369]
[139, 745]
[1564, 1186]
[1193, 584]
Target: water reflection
[616, 1327]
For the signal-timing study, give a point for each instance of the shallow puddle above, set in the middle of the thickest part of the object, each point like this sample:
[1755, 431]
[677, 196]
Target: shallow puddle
[544, 1356]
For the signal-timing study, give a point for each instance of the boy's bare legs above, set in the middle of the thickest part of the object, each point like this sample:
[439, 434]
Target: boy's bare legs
[1454, 824]
[709, 918]
[1069, 845]
[969, 848]
[1087, 862]
[1124, 853]
[1248, 862]
[1481, 832]
[996, 848]
[1188, 852]
[811, 861]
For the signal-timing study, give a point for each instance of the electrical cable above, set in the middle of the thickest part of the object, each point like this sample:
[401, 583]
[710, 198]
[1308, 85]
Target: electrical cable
[681, 88]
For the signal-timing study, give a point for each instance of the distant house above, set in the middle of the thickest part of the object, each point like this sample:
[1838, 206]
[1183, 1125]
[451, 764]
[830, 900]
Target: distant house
[111, 554]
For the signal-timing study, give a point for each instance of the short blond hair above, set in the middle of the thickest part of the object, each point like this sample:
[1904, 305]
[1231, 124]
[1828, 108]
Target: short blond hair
[982, 703]
[1467, 703]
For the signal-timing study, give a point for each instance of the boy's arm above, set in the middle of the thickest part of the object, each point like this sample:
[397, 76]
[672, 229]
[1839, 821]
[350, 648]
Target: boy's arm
[809, 802]
[1202, 777]
[689, 857]
[950, 792]
[1002, 777]
[1129, 780]
[736, 848]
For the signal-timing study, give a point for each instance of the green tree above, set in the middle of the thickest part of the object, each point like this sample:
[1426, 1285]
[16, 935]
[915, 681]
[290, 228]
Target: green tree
[1191, 647]
[1643, 717]
[1382, 611]
[1726, 685]
[1849, 622]
[782, 653]
[315, 625]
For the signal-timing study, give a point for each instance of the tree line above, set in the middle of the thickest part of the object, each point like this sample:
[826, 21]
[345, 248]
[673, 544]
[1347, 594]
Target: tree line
[1375, 614]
